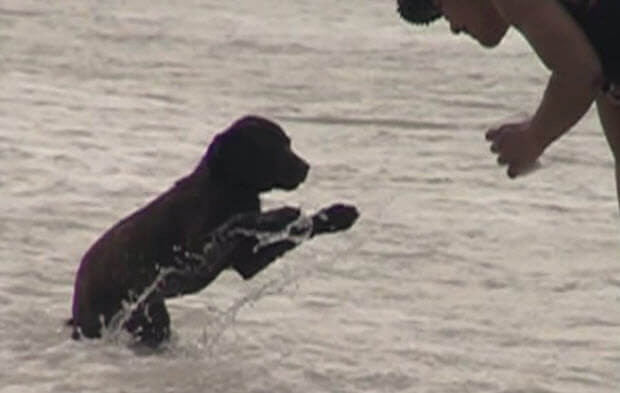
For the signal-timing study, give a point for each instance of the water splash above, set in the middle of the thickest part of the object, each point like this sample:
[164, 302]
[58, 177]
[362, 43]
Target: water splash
[114, 330]
[214, 332]
[297, 232]
[211, 259]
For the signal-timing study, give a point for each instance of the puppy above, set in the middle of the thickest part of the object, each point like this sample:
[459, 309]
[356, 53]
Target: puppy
[207, 222]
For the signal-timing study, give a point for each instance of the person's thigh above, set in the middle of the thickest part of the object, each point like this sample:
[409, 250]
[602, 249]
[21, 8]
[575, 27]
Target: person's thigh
[609, 114]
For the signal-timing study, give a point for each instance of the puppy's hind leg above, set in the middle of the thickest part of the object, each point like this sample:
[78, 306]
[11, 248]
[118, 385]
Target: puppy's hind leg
[150, 323]
[88, 325]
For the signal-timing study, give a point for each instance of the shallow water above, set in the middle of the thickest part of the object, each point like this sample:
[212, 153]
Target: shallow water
[455, 279]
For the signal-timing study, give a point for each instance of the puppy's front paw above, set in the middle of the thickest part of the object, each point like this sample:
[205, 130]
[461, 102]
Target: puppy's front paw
[337, 217]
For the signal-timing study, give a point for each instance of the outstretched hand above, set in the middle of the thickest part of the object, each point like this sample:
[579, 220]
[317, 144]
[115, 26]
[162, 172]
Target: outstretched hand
[516, 146]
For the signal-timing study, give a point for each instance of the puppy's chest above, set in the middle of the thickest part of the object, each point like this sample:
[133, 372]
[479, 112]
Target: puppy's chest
[194, 215]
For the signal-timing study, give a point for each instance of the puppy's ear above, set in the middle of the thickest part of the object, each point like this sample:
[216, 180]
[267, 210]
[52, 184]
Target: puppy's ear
[227, 157]
[213, 160]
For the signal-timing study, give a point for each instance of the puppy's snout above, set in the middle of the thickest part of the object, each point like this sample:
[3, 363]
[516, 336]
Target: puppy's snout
[304, 168]
[294, 172]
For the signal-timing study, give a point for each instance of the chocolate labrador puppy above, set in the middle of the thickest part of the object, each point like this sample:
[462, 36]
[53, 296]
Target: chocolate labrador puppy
[208, 221]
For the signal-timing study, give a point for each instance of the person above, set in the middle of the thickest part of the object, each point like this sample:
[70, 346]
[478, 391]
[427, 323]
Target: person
[577, 40]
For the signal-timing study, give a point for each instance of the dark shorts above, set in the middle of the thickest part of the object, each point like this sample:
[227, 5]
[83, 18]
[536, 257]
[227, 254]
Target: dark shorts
[600, 20]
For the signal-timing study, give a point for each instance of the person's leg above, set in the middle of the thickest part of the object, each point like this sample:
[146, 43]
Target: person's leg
[609, 114]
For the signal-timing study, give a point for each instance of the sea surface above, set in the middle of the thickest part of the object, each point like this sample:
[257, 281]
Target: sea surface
[454, 279]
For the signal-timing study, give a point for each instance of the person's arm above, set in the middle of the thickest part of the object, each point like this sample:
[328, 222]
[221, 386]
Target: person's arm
[563, 47]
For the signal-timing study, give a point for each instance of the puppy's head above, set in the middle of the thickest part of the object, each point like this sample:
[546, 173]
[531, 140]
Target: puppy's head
[254, 154]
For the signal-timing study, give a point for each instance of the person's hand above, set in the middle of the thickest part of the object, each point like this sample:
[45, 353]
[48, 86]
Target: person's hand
[516, 146]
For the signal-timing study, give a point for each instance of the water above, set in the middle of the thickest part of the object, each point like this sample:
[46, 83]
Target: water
[454, 279]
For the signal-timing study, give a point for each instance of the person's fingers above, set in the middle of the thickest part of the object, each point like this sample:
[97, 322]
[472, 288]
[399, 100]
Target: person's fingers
[501, 160]
[495, 132]
[512, 171]
[496, 145]
[491, 134]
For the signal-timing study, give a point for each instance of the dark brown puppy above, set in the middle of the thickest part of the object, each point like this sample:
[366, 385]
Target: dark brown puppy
[252, 156]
